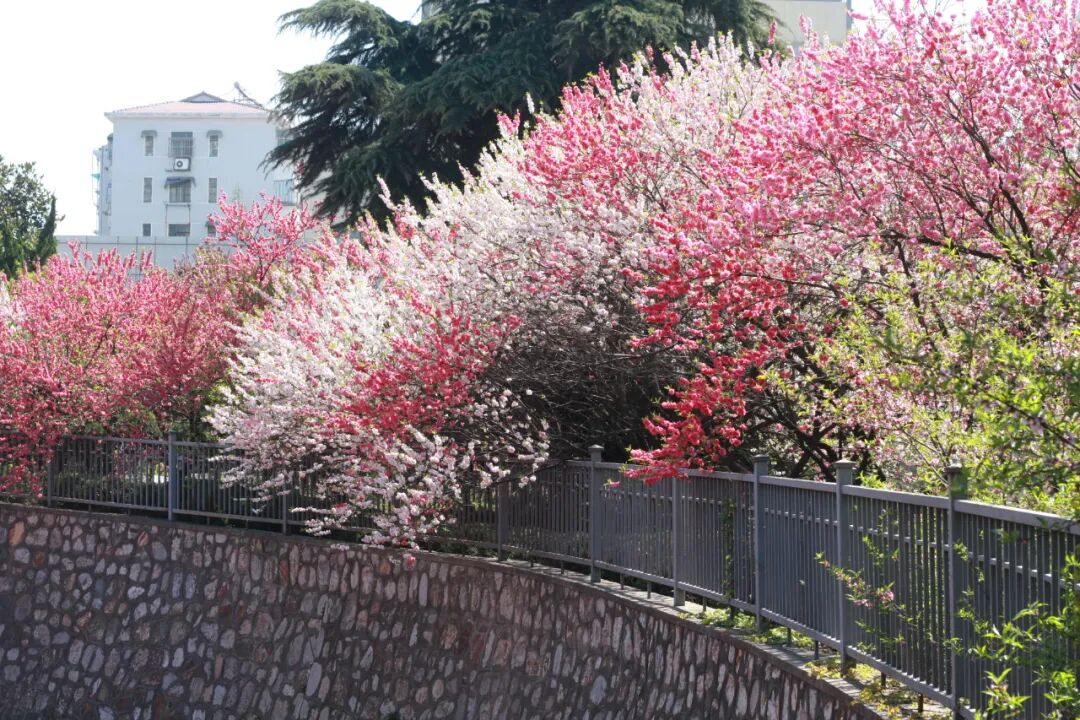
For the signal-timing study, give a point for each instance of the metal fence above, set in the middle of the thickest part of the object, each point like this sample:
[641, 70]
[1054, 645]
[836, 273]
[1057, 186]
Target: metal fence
[886, 578]
[173, 478]
[916, 570]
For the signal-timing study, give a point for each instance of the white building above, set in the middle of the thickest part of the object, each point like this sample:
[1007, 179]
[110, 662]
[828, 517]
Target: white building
[164, 165]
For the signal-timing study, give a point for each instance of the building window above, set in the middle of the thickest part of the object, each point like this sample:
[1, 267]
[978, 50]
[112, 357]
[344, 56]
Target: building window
[146, 229]
[179, 230]
[147, 190]
[148, 145]
[211, 231]
[180, 193]
[211, 190]
[214, 145]
[181, 145]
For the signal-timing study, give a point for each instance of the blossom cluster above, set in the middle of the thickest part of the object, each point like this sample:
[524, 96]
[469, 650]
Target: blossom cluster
[351, 379]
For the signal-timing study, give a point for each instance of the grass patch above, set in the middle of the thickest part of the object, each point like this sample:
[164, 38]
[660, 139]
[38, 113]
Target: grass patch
[884, 695]
[746, 624]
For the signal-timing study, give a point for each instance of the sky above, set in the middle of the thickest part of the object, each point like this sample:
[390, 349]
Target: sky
[66, 63]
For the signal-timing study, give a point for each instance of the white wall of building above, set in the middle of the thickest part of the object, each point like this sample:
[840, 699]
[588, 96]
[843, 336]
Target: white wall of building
[103, 186]
[242, 148]
[828, 18]
[129, 221]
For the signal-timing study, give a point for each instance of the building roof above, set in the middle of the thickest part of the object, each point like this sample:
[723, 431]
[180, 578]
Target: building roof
[202, 104]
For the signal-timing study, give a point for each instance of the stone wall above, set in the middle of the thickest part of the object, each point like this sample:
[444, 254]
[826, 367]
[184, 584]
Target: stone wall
[105, 616]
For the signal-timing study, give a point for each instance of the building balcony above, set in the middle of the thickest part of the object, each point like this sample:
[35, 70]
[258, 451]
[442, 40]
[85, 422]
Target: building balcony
[283, 191]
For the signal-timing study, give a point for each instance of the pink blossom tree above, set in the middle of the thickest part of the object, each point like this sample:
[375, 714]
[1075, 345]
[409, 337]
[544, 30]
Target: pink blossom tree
[831, 213]
[85, 346]
[116, 345]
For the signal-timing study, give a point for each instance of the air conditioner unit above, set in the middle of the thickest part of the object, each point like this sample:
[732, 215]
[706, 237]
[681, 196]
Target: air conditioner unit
[181, 163]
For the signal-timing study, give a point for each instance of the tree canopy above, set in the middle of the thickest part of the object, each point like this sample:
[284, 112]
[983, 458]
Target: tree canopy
[399, 101]
[27, 218]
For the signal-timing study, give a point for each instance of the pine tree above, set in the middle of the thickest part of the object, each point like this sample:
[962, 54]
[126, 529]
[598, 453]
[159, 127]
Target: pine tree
[401, 101]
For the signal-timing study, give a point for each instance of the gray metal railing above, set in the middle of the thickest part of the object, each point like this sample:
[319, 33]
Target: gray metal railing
[917, 570]
[173, 478]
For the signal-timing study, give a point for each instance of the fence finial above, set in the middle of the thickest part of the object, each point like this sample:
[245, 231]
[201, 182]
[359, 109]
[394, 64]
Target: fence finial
[596, 453]
[956, 479]
[761, 464]
[845, 471]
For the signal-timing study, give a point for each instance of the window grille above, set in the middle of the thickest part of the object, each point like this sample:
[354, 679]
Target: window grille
[180, 193]
[181, 145]
[147, 190]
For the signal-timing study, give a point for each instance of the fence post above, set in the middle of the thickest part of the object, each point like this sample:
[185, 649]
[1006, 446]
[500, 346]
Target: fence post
[50, 474]
[285, 502]
[170, 476]
[502, 517]
[761, 468]
[595, 455]
[954, 475]
[678, 595]
[845, 472]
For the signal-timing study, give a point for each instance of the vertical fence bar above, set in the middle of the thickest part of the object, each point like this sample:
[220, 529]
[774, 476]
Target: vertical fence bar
[678, 595]
[595, 455]
[845, 470]
[502, 517]
[761, 467]
[954, 476]
[170, 475]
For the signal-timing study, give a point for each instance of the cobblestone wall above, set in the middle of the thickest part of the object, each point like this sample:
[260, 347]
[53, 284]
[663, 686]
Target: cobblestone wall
[113, 617]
